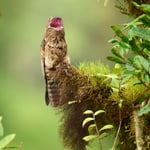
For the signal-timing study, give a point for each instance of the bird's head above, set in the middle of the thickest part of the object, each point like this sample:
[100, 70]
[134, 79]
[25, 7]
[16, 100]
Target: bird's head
[55, 23]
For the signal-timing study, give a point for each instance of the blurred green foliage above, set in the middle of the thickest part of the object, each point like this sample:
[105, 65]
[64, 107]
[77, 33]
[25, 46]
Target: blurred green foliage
[22, 26]
[6, 140]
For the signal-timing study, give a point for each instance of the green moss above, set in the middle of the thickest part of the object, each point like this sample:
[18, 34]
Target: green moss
[95, 72]
[93, 68]
[130, 93]
[133, 93]
[92, 89]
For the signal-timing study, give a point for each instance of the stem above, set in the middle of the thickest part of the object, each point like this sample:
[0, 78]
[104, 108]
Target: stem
[135, 20]
[99, 141]
[138, 130]
[115, 141]
[120, 118]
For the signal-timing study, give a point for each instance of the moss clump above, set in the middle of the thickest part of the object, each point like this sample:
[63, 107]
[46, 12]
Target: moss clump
[93, 68]
[131, 93]
[92, 91]
[89, 92]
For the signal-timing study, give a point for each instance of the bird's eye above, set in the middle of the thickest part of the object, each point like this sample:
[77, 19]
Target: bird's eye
[60, 48]
[49, 46]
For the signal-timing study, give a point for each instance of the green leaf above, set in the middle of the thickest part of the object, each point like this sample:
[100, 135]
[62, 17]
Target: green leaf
[138, 72]
[122, 52]
[137, 63]
[120, 34]
[119, 51]
[141, 32]
[91, 127]
[134, 47]
[129, 67]
[115, 59]
[90, 138]
[115, 83]
[98, 112]
[88, 112]
[113, 41]
[117, 70]
[103, 135]
[126, 78]
[145, 8]
[146, 78]
[146, 44]
[115, 52]
[144, 110]
[86, 120]
[6, 140]
[106, 127]
[145, 63]
[145, 20]
[137, 83]
[112, 76]
[1, 127]
[124, 45]
[126, 72]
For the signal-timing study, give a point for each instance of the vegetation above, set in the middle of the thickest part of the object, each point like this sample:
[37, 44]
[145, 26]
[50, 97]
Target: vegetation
[114, 103]
[123, 93]
[6, 140]
[130, 80]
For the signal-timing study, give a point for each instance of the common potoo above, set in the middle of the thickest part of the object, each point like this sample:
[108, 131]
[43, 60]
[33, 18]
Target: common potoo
[53, 56]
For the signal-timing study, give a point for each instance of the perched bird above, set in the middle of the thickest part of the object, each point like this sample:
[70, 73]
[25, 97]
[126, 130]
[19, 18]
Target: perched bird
[53, 55]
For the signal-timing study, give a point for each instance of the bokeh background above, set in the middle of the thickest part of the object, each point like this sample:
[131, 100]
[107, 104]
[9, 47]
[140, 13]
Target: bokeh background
[22, 26]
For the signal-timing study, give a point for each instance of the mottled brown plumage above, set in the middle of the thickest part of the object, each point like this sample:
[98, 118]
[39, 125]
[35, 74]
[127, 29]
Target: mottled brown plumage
[53, 54]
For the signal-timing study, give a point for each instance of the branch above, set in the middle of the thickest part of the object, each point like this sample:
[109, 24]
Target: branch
[138, 130]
